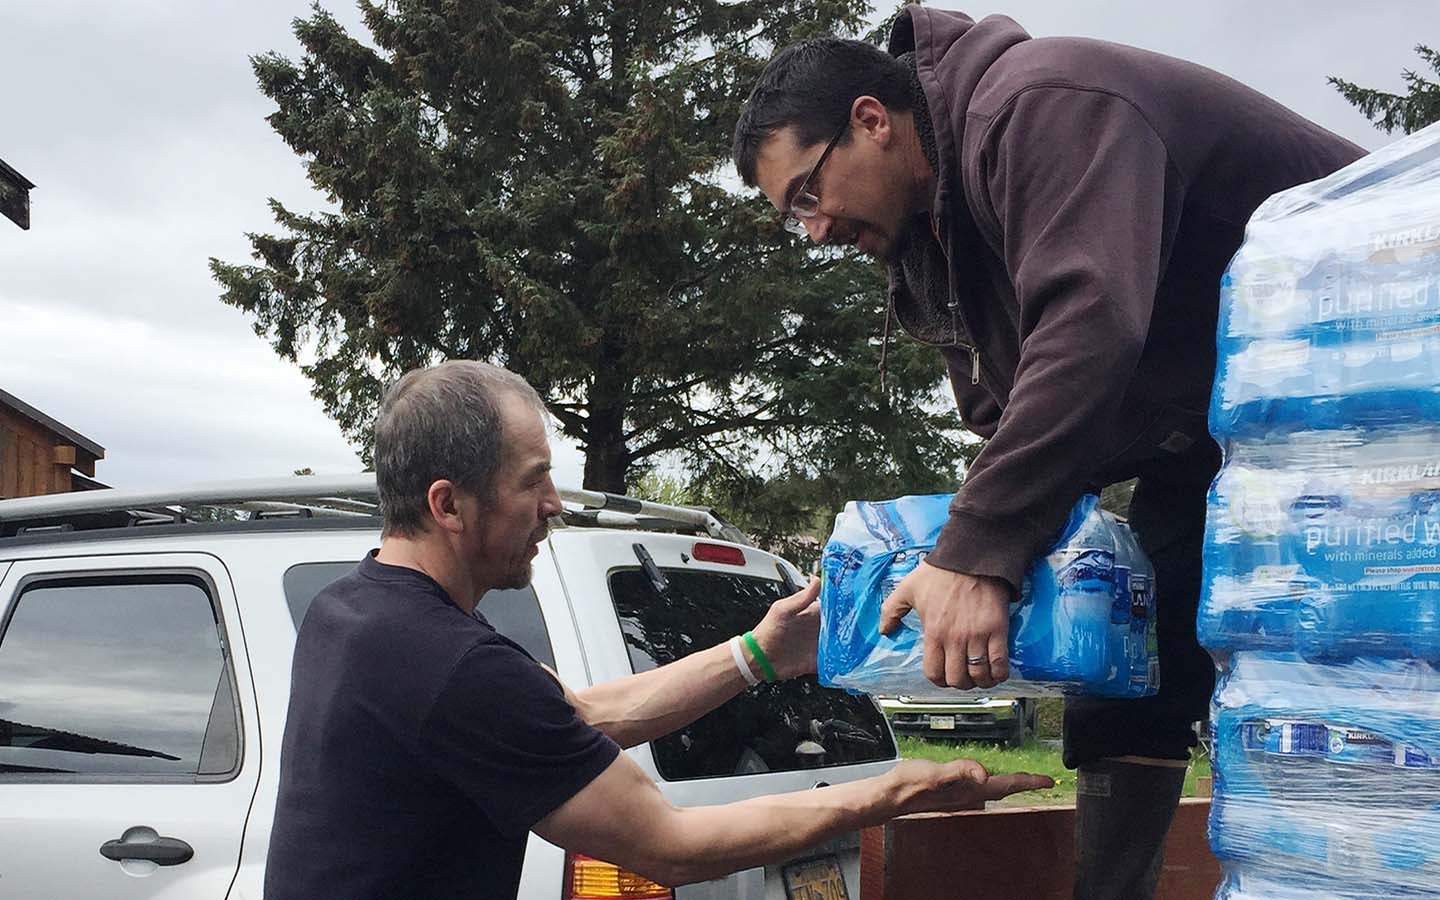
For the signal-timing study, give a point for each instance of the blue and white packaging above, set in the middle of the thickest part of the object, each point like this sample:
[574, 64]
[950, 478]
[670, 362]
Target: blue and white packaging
[1327, 542]
[1321, 594]
[1329, 769]
[1084, 621]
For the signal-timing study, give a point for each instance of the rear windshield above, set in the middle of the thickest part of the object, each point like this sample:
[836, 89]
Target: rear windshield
[782, 727]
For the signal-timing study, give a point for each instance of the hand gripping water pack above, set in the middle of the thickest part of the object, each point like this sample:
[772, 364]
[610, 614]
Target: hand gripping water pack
[1321, 594]
[1084, 621]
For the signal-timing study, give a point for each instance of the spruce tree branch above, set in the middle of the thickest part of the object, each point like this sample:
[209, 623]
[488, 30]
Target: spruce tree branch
[720, 457]
[705, 272]
[574, 425]
[585, 29]
[752, 419]
[684, 29]
[756, 352]
[672, 388]
[742, 44]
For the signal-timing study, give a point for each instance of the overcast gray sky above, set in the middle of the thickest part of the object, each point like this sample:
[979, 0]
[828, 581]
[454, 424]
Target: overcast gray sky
[141, 125]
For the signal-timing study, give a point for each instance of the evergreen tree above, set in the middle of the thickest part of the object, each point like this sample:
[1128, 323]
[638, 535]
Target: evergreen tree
[1417, 107]
[547, 186]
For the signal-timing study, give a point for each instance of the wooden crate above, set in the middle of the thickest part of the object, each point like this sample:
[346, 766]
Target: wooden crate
[1024, 853]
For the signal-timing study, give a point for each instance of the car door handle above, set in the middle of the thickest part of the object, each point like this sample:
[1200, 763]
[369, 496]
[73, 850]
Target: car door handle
[163, 851]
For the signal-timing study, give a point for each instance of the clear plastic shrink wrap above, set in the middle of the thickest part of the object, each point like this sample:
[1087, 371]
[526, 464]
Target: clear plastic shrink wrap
[1321, 597]
[1329, 770]
[1084, 622]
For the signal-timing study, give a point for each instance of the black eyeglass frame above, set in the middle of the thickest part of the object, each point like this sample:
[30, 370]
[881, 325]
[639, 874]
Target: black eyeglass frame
[793, 223]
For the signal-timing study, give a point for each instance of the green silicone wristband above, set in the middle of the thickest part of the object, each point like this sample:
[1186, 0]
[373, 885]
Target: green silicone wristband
[760, 657]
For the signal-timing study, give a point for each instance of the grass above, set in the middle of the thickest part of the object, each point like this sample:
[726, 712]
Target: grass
[1037, 755]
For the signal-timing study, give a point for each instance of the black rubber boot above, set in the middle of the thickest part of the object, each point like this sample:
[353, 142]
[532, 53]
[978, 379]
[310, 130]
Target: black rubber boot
[1122, 815]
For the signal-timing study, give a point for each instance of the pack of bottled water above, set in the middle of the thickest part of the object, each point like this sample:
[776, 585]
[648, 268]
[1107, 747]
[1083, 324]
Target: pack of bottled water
[1321, 597]
[1331, 769]
[1084, 621]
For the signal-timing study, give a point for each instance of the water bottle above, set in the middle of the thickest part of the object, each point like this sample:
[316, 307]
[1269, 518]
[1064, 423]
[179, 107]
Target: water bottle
[1321, 796]
[1121, 607]
[1356, 272]
[1064, 632]
[1371, 539]
[1254, 584]
[1328, 541]
[1329, 769]
[1245, 882]
[1142, 645]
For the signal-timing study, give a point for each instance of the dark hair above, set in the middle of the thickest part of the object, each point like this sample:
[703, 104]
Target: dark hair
[811, 86]
[441, 422]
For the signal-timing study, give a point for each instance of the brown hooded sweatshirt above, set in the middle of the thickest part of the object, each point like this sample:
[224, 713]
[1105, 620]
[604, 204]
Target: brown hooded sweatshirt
[1089, 198]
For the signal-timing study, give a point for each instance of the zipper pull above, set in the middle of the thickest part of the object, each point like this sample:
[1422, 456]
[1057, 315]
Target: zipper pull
[974, 365]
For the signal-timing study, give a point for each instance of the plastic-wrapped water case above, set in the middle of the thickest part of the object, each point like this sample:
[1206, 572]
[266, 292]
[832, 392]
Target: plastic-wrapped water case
[1321, 595]
[1330, 310]
[1329, 770]
[1326, 542]
[1084, 622]
[1246, 883]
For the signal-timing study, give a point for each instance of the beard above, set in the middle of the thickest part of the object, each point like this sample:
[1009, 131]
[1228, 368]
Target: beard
[523, 571]
[882, 244]
[903, 237]
[519, 578]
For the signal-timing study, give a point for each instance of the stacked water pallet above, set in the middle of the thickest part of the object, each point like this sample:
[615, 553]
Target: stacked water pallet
[1322, 581]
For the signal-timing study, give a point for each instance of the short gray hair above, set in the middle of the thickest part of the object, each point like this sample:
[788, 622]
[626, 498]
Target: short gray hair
[441, 422]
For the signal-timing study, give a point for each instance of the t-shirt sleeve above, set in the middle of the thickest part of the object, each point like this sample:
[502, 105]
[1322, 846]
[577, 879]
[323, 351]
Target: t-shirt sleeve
[503, 733]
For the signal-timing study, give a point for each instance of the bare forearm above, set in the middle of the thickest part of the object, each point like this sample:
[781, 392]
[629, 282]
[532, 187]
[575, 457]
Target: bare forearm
[622, 817]
[713, 840]
[642, 707]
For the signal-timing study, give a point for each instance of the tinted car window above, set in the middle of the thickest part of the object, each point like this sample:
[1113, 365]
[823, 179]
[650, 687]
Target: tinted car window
[514, 613]
[121, 677]
[304, 581]
[779, 727]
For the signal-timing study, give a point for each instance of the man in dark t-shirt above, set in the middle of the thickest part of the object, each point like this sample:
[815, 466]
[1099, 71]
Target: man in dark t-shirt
[422, 747]
[417, 735]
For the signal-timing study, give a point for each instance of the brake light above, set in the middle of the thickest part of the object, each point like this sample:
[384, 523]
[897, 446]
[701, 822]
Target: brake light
[718, 553]
[587, 878]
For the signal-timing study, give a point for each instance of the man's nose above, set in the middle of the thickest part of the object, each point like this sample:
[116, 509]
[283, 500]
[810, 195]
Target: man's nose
[818, 227]
[550, 503]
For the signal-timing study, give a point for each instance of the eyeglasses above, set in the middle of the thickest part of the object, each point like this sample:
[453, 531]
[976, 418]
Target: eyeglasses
[805, 204]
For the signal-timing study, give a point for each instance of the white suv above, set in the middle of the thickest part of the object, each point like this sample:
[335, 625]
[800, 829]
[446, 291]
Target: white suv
[145, 644]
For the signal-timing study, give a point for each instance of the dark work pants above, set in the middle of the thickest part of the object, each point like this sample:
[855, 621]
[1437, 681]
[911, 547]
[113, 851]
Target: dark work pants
[1169, 520]
[1124, 810]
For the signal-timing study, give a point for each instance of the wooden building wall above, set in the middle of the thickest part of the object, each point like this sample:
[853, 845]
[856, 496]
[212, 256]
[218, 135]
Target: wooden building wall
[35, 460]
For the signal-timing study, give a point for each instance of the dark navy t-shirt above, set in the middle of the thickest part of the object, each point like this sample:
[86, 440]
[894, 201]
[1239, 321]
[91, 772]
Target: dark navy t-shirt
[421, 747]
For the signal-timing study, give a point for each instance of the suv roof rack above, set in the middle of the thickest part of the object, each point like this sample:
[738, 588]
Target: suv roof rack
[316, 496]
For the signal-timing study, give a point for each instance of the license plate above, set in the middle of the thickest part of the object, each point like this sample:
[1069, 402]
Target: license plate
[942, 723]
[816, 879]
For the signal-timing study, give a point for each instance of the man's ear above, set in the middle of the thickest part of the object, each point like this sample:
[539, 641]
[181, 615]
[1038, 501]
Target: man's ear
[869, 118]
[444, 500]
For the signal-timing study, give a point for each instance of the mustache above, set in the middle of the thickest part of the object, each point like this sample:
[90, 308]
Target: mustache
[845, 233]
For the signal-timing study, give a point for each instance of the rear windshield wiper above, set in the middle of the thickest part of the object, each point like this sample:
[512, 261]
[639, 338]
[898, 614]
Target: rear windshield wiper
[652, 571]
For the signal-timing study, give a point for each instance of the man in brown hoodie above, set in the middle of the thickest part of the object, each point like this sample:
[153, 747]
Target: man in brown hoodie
[1056, 215]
